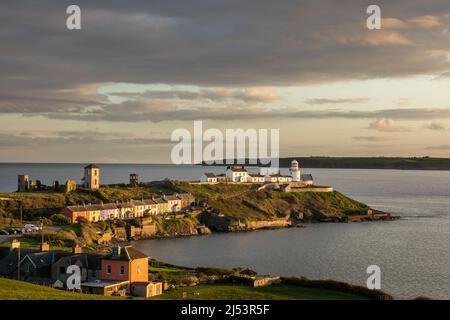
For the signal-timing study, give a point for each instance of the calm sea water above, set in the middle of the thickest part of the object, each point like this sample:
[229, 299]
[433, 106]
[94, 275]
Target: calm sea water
[413, 253]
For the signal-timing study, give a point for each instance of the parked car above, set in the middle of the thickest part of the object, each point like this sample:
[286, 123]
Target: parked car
[11, 230]
[19, 230]
[30, 228]
[4, 232]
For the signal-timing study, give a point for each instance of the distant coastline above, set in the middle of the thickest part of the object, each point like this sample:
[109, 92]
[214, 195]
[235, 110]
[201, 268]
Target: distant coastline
[399, 163]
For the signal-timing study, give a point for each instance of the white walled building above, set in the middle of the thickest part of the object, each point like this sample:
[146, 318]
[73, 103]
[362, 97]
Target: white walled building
[241, 175]
[237, 174]
[295, 171]
[208, 177]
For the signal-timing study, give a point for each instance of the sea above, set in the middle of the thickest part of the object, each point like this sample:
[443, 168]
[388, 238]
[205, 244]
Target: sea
[413, 252]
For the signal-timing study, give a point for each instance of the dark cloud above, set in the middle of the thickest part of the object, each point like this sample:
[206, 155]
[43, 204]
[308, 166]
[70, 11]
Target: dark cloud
[337, 101]
[47, 69]
[75, 139]
[137, 111]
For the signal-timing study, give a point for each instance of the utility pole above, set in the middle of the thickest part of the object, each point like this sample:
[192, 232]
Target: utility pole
[42, 232]
[21, 220]
[18, 263]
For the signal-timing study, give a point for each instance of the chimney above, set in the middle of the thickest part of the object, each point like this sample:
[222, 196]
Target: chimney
[116, 250]
[15, 244]
[44, 247]
[77, 249]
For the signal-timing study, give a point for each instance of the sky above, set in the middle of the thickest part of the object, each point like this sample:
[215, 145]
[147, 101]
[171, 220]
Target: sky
[114, 91]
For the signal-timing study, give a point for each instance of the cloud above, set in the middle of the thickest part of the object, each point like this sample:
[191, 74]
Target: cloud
[425, 22]
[337, 101]
[75, 139]
[371, 138]
[442, 147]
[386, 125]
[435, 126]
[227, 43]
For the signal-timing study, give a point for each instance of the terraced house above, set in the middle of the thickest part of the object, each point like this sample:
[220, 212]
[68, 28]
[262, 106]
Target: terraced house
[130, 209]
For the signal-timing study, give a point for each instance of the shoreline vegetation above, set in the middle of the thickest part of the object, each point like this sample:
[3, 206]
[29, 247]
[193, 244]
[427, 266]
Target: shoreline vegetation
[228, 208]
[399, 163]
[208, 284]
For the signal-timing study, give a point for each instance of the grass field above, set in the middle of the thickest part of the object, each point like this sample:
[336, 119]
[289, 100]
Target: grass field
[18, 290]
[237, 292]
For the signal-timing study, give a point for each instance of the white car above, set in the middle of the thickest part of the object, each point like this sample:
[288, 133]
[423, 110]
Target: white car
[31, 228]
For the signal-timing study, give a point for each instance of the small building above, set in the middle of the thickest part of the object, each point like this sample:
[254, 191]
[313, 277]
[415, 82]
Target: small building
[36, 267]
[35, 184]
[89, 264]
[134, 180]
[105, 288]
[71, 185]
[146, 289]
[237, 173]
[174, 202]
[23, 183]
[55, 185]
[187, 200]
[91, 177]
[208, 177]
[125, 264]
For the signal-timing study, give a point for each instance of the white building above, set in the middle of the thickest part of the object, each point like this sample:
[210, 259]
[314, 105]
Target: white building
[208, 177]
[240, 174]
[237, 174]
[295, 171]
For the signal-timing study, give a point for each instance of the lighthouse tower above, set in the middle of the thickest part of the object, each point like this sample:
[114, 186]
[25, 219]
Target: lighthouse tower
[295, 171]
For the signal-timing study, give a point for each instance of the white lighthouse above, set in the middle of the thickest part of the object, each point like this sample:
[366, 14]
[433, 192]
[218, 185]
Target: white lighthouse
[295, 171]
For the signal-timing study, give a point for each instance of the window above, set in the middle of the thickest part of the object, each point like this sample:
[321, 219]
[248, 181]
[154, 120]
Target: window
[122, 270]
[27, 267]
[138, 269]
[108, 269]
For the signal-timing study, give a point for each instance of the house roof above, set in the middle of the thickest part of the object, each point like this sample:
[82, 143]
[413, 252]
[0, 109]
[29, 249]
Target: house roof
[184, 196]
[92, 166]
[238, 169]
[87, 260]
[8, 265]
[306, 177]
[43, 259]
[126, 253]
[210, 175]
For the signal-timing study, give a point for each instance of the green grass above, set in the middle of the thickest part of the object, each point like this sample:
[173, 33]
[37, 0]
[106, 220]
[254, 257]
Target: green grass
[19, 290]
[34, 243]
[273, 292]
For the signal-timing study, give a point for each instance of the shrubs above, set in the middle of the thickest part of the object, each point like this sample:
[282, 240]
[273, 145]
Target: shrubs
[60, 220]
[339, 286]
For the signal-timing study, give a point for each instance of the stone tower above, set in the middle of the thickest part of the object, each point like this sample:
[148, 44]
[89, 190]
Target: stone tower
[134, 180]
[92, 177]
[23, 183]
[295, 171]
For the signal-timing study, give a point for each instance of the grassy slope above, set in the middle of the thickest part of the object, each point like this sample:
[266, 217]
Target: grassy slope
[274, 292]
[19, 290]
[234, 200]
